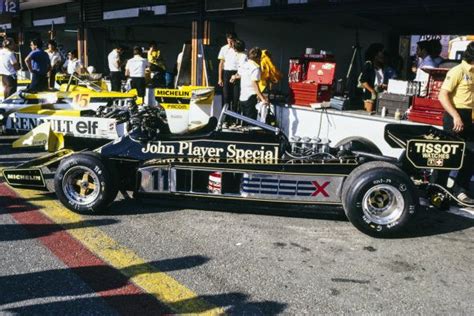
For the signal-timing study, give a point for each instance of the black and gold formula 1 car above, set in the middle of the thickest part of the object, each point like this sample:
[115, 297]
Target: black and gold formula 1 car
[256, 164]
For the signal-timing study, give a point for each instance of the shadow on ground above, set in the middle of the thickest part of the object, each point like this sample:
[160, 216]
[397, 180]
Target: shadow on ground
[62, 283]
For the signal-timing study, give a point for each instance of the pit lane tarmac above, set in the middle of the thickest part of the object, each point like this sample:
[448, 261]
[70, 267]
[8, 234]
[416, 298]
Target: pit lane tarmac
[154, 259]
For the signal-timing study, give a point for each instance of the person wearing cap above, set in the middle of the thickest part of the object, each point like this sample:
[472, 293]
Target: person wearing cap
[457, 98]
[8, 67]
[135, 69]
[38, 64]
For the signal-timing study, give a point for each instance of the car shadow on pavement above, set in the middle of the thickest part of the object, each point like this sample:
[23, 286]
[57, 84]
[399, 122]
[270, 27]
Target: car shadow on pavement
[170, 204]
[10, 232]
[434, 222]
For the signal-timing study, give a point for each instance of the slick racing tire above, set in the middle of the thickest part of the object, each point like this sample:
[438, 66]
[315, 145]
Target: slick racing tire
[379, 199]
[84, 184]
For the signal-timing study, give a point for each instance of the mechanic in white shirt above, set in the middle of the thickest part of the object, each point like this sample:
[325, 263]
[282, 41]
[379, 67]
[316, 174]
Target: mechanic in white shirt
[249, 74]
[423, 51]
[240, 60]
[73, 64]
[135, 69]
[8, 67]
[115, 68]
[56, 62]
[227, 68]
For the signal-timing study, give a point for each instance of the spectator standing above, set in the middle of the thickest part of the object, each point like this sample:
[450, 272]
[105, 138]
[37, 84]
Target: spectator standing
[155, 59]
[157, 65]
[372, 77]
[270, 74]
[457, 98]
[8, 67]
[62, 52]
[115, 68]
[227, 68]
[436, 49]
[241, 59]
[73, 64]
[38, 64]
[423, 51]
[55, 60]
[249, 74]
[135, 69]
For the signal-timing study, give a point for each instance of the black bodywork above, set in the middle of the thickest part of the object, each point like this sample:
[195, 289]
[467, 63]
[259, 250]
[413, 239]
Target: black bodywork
[258, 163]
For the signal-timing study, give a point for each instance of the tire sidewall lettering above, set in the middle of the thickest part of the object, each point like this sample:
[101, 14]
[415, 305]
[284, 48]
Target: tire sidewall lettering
[95, 165]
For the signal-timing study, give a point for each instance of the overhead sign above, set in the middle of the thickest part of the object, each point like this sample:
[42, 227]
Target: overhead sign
[10, 6]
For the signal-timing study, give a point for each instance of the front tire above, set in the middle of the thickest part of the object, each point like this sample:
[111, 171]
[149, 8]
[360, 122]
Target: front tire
[84, 184]
[379, 199]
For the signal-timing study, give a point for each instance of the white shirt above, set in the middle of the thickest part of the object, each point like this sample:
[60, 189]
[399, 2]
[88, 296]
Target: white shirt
[136, 66]
[249, 73]
[379, 77]
[7, 60]
[422, 76]
[72, 66]
[179, 59]
[54, 57]
[114, 59]
[229, 56]
[240, 59]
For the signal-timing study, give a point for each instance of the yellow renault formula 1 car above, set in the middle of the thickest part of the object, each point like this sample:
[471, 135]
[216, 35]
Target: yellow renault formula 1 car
[67, 109]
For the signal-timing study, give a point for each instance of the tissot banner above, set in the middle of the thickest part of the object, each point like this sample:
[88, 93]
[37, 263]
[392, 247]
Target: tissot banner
[435, 154]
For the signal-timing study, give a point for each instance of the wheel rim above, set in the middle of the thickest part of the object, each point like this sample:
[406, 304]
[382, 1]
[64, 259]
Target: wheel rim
[383, 204]
[81, 185]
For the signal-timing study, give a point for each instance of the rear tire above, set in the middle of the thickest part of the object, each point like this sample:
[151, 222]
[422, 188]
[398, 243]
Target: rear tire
[379, 199]
[84, 184]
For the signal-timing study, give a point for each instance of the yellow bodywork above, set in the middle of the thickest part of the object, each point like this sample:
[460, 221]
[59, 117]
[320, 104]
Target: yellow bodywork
[41, 136]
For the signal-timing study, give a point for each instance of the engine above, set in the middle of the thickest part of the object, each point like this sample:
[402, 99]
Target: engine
[307, 147]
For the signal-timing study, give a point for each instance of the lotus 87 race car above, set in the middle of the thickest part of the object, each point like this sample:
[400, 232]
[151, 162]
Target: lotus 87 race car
[257, 163]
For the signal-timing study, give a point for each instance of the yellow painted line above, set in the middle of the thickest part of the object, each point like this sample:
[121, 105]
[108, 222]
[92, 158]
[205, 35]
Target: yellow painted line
[166, 289]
